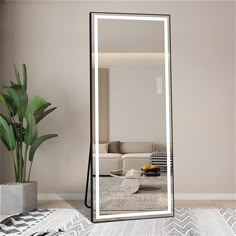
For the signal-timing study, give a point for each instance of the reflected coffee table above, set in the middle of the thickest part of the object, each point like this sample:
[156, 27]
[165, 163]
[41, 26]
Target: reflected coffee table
[131, 178]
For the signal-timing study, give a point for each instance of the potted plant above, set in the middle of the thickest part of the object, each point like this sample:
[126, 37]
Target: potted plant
[18, 132]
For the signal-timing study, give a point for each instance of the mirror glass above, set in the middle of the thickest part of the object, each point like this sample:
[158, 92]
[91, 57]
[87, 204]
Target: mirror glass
[131, 121]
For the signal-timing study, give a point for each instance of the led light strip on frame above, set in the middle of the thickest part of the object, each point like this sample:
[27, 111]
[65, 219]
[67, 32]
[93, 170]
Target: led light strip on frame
[164, 19]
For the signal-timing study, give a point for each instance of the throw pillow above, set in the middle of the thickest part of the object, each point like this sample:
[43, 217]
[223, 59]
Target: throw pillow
[114, 147]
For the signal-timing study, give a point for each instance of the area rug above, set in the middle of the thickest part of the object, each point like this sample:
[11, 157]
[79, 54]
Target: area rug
[151, 196]
[56, 222]
[70, 222]
[187, 222]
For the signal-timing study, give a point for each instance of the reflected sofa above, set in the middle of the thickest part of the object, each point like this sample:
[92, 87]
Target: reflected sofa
[123, 155]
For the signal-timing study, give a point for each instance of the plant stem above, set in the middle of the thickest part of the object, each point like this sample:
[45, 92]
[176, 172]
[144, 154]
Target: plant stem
[20, 156]
[17, 158]
[16, 162]
[25, 156]
[29, 171]
[16, 174]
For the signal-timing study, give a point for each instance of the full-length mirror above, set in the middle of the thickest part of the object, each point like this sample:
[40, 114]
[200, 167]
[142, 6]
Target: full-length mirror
[131, 120]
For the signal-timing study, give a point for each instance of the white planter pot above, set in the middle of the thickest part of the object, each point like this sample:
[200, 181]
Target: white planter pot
[18, 197]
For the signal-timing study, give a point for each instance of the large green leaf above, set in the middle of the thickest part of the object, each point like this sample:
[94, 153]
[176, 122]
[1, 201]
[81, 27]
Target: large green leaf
[24, 77]
[37, 104]
[8, 104]
[20, 99]
[31, 132]
[4, 103]
[40, 116]
[4, 140]
[17, 74]
[7, 119]
[11, 104]
[37, 143]
[6, 134]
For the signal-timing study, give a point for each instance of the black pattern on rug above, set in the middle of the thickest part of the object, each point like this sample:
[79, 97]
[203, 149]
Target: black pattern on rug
[18, 224]
[61, 222]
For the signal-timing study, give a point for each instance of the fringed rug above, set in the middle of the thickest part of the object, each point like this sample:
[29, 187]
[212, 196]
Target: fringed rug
[69, 222]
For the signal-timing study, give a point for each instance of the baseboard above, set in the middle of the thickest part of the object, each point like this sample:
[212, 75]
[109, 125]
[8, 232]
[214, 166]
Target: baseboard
[56, 196]
[203, 196]
[178, 196]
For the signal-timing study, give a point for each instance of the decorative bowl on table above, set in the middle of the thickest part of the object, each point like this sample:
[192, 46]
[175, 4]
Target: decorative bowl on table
[150, 170]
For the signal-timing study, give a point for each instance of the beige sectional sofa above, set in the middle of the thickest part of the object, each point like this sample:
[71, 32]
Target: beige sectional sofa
[108, 162]
[131, 155]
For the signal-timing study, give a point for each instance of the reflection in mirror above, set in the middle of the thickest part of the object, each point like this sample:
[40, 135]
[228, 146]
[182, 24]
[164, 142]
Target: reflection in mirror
[132, 171]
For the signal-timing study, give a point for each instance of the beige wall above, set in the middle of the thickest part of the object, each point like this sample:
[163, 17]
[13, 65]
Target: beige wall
[103, 93]
[137, 113]
[53, 39]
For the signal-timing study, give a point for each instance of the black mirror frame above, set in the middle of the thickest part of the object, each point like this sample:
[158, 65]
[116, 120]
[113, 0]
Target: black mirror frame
[90, 161]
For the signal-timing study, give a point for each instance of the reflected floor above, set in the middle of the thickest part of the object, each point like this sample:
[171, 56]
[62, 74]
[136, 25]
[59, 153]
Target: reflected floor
[152, 196]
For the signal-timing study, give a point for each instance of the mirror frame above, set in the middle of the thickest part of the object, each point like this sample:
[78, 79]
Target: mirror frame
[93, 24]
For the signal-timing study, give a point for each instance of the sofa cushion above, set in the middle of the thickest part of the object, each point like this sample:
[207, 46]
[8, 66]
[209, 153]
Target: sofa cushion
[103, 148]
[136, 155]
[135, 160]
[108, 162]
[109, 155]
[135, 147]
[114, 147]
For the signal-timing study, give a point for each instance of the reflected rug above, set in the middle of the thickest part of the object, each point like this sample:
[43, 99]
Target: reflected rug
[70, 222]
[152, 195]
